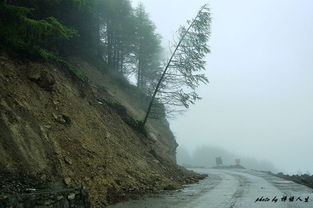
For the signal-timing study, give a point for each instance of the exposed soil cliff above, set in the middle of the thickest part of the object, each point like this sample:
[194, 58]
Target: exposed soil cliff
[58, 128]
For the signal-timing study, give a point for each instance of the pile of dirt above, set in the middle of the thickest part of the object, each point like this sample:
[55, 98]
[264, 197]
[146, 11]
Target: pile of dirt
[304, 179]
[54, 127]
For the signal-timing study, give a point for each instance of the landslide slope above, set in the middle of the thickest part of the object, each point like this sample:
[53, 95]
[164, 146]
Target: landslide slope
[60, 129]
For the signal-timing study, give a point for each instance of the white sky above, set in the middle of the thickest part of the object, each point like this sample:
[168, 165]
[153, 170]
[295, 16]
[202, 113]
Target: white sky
[260, 98]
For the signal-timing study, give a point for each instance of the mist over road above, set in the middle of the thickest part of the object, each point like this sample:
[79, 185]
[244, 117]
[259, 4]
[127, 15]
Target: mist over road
[231, 189]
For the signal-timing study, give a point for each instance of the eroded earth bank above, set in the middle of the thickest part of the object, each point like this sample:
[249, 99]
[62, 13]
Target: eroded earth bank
[59, 132]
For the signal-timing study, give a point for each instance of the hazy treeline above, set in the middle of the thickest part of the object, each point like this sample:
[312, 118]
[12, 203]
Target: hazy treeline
[204, 156]
[109, 31]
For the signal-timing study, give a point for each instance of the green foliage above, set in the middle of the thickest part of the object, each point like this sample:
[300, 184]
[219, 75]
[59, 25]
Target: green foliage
[78, 72]
[147, 51]
[20, 32]
[117, 34]
[184, 70]
[47, 55]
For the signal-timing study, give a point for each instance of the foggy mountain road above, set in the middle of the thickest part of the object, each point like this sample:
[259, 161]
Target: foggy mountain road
[231, 189]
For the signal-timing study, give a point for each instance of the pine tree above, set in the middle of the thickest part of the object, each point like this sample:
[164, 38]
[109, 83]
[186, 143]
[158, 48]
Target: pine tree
[184, 70]
[116, 32]
[147, 51]
[21, 31]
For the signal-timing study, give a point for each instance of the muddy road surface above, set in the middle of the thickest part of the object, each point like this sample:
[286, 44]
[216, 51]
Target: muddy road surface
[231, 189]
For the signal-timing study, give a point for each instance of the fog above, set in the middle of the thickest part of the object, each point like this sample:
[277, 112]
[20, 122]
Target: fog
[205, 156]
[259, 100]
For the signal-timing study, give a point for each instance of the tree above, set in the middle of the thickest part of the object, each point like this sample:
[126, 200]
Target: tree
[147, 50]
[183, 72]
[23, 31]
[116, 32]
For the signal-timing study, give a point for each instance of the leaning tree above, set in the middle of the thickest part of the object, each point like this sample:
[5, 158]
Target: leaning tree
[184, 70]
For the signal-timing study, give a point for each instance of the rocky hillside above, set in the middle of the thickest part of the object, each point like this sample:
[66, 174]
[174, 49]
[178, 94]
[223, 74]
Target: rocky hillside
[62, 130]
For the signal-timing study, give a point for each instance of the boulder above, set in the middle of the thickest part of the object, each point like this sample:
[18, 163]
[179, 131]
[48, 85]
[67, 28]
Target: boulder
[44, 79]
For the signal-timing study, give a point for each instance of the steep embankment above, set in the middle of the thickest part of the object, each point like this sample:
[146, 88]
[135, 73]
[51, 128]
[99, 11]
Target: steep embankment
[115, 89]
[56, 127]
